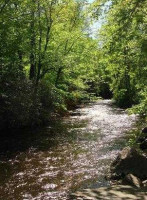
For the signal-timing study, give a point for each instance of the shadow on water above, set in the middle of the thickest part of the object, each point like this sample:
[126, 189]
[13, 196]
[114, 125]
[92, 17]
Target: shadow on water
[72, 153]
[21, 140]
[41, 139]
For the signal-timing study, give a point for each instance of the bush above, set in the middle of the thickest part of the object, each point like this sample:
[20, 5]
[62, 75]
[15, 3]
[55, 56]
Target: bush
[51, 99]
[141, 108]
[22, 104]
[122, 98]
[19, 104]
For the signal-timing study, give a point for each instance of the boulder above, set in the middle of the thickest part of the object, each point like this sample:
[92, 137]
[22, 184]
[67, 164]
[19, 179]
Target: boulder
[143, 145]
[129, 161]
[144, 183]
[132, 180]
[144, 130]
[116, 192]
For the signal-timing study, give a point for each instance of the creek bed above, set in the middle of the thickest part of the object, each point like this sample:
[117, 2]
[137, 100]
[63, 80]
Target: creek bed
[71, 154]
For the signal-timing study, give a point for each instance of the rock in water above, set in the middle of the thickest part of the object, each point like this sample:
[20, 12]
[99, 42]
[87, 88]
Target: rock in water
[129, 161]
[132, 180]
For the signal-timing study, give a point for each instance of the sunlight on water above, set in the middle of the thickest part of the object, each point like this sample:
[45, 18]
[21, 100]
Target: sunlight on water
[74, 154]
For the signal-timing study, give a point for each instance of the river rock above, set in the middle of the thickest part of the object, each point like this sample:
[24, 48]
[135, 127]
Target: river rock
[117, 192]
[144, 183]
[143, 145]
[129, 161]
[132, 180]
[143, 135]
[144, 130]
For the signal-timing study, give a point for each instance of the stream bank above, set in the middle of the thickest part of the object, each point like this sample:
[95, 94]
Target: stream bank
[127, 173]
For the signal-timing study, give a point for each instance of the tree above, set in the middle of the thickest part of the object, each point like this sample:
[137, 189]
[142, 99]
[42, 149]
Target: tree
[122, 40]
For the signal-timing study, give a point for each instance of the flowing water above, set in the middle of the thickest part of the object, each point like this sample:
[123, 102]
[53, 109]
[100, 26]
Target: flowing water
[72, 154]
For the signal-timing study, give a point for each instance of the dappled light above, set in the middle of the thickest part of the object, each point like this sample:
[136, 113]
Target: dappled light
[77, 154]
[73, 94]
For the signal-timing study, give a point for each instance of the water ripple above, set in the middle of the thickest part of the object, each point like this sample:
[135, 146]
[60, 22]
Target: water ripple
[76, 153]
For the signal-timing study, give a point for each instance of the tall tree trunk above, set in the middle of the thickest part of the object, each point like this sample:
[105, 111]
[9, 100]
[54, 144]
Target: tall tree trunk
[20, 60]
[127, 76]
[32, 44]
[58, 76]
[39, 65]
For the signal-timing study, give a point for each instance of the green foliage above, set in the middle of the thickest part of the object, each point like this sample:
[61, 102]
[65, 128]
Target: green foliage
[22, 104]
[46, 56]
[17, 100]
[49, 61]
[141, 108]
[123, 39]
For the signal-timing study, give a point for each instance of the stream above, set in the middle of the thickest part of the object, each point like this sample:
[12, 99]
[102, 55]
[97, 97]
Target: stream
[73, 153]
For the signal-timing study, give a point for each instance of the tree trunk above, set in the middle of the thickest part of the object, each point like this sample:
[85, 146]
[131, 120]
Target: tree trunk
[58, 76]
[32, 45]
